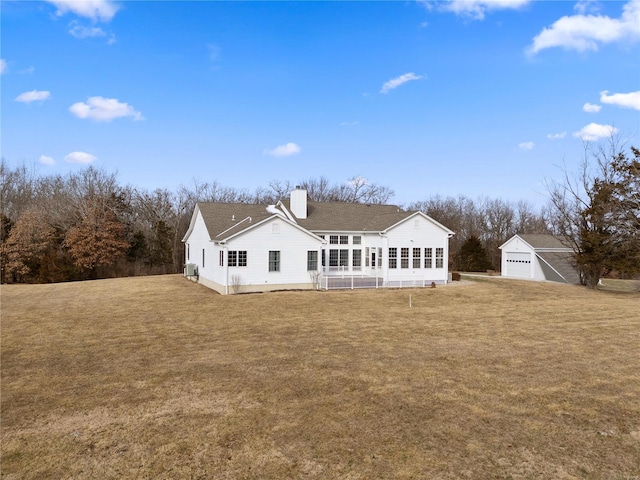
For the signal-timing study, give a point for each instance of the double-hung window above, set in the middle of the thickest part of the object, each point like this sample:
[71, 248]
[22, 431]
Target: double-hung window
[439, 257]
[404, 257]
[312, 260]
[428, 257]
[416, 257]
[393, 257]
[274, 260]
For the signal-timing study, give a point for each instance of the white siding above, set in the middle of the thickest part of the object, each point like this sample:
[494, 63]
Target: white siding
[418, 232]
[198, 241]
[519, 260]
[293, 245]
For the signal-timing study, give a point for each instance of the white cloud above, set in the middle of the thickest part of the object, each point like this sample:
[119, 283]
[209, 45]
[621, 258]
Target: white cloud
[44, 160]
[591, 108]
[33, 96]
[586, 32]
[396, 82]
[96, 10]
[526, 145]
[3, 66]
[103, 109]
[284, 150]
[626, 100]
[80, 157]
[348, 124]
[556, 136]
[476, 9]
[585, 6]
[594, 131]
[80, 31]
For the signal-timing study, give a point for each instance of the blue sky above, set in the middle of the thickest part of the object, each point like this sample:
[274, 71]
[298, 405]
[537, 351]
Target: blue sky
[482, 97]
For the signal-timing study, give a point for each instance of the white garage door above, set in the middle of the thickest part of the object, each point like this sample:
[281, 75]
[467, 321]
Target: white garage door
[519, 265]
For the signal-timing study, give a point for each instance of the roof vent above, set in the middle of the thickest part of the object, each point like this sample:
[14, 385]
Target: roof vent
[233, 218]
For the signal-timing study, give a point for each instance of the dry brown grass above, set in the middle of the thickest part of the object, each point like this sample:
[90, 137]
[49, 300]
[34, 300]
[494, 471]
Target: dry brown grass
[157, 377]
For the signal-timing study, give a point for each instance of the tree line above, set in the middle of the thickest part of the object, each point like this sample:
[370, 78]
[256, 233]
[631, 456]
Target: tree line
[87, 225]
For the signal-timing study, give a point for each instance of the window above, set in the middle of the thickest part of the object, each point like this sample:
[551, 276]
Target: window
[356, 261]
[428, 257]
[366, 257]
[380, 257]
[312, 260]
[333, 239]
[274, 260]
[393, 258]
[357, 240]
[338, 258]
[344, 258]
[237, 258]
[333, 258]
[324, 258]
[439, 257]
[404, 257]
[187, 251]
[344, 239]
[416, 257]
[203, 258]
[221, 258]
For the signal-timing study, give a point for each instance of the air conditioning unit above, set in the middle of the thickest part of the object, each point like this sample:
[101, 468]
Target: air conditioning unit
[191, 270]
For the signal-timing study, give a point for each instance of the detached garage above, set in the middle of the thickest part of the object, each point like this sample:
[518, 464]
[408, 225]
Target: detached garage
[540, 258]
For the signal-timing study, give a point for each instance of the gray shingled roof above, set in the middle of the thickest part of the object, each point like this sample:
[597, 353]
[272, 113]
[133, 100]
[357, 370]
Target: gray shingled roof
[350, 217]
[544, 241]
[228, 218]
[563, 263]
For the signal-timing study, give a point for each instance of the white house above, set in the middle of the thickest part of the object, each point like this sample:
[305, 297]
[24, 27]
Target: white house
[539, 257]
[298, 244]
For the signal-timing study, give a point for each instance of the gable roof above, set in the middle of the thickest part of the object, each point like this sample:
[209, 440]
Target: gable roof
[231, 218]
[542, 242]
[545, 241]
[224, 220]
[350, 217]
[556, 256]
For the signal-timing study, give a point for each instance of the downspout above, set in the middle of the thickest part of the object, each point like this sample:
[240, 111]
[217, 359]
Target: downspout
[446, 280]
[225, 261]
[385, 265]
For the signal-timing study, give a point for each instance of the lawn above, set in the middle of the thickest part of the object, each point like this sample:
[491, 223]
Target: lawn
[157, 377]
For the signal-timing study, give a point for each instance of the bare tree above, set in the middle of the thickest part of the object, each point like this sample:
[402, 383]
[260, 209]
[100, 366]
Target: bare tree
[598, 210]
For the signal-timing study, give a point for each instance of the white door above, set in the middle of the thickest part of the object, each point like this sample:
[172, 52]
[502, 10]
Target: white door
[519, 265]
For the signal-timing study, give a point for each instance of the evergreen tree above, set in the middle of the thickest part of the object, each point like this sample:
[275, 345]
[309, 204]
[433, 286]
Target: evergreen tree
[472, 256]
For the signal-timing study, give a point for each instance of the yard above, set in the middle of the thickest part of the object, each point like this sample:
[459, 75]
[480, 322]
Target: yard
[157, 377]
